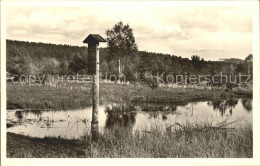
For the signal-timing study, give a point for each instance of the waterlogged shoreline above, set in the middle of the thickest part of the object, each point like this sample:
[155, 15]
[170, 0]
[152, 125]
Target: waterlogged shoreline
[184, 143]
[75, 123]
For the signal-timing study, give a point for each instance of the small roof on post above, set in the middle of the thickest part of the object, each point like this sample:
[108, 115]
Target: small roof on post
[94, 38]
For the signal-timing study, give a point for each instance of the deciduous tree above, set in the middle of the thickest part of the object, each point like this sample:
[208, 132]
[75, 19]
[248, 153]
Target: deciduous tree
[121, 43]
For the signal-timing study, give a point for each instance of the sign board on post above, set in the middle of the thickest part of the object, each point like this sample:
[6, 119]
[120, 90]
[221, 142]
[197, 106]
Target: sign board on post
[93, 69]
[93, 43]
[92, 58]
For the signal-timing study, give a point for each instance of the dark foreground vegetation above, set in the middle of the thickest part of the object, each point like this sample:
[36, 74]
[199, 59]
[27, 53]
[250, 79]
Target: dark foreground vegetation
[183, 142]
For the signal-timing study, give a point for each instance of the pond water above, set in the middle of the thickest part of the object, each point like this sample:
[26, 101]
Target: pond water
[74, 124]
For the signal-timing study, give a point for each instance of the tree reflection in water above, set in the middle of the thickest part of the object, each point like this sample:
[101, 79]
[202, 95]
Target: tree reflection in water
[124, 115]
[37, 113]
[247, 104]
[223, 105]
[158, 110]
[19, 115]
[120, 115]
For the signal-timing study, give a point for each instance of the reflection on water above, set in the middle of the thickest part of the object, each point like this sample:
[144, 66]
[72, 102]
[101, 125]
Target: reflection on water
[224, 105]
[229, 104]
[247, 104]
[120, 115]
[76, 123]
[19, 115]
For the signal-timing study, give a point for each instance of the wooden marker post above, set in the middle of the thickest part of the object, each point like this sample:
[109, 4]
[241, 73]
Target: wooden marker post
[93, 69]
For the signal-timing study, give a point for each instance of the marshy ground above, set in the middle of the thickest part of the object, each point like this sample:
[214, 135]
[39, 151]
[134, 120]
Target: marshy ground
[185, 142]
[182, 141]
[73, 96]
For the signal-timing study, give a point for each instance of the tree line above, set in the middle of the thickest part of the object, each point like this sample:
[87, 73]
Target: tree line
[25, 58]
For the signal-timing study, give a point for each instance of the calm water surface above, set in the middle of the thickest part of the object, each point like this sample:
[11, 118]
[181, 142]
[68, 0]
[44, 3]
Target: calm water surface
[76, 123]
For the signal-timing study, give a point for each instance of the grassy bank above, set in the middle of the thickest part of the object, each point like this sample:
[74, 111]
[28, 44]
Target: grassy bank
[45, 97]
[72, 97]
[245, 92]
[185, 142]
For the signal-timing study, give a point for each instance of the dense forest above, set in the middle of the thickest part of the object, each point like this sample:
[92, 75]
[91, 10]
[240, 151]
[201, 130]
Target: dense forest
[40, 58]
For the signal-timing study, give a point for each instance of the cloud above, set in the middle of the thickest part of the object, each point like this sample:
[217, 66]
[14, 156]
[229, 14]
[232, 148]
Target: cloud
[174, 30]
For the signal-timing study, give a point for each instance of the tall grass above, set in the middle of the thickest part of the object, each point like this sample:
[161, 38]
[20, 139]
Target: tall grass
[189, 141]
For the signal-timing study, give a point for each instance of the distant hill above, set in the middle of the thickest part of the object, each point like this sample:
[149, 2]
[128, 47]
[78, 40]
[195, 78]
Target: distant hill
[232, 60]
[42, 58]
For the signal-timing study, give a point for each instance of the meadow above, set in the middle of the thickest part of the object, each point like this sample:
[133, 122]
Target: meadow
[78, 95]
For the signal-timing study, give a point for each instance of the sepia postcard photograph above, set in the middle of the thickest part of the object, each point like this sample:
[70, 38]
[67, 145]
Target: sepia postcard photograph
[130, 83]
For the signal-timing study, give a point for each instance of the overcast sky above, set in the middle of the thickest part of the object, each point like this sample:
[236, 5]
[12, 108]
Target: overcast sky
[210, 32]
